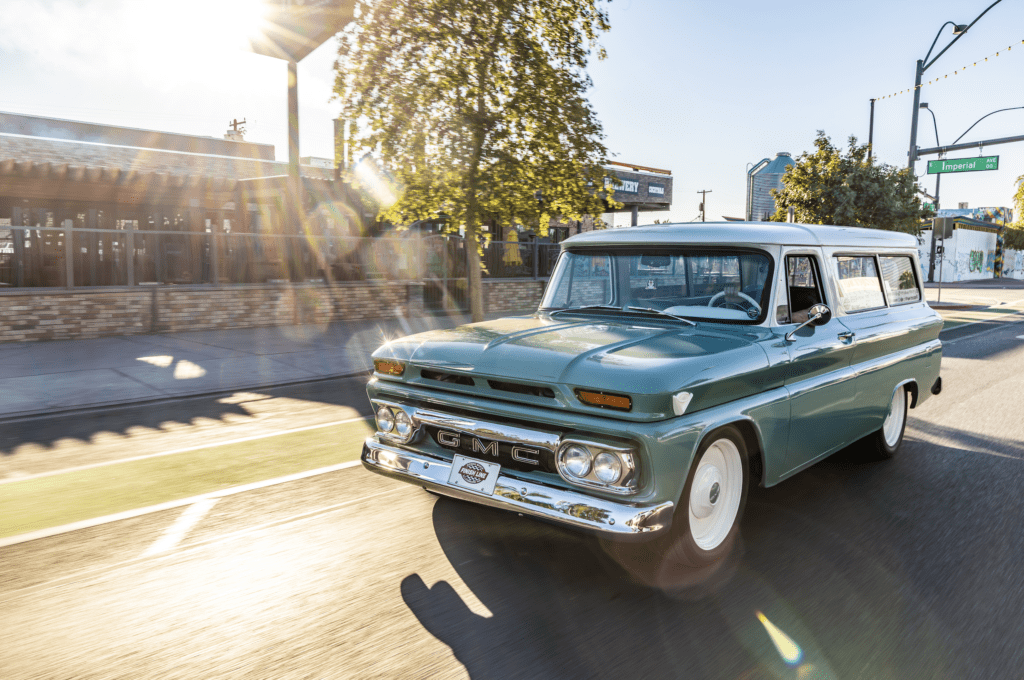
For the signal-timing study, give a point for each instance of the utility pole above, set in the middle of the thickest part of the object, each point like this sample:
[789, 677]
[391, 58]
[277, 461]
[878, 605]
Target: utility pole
[703, 200]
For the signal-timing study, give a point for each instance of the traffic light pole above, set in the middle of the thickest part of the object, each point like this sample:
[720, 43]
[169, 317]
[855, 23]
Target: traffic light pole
[912, 154]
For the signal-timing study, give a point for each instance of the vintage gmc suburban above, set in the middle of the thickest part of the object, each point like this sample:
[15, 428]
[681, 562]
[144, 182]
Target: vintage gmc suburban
[667, 368]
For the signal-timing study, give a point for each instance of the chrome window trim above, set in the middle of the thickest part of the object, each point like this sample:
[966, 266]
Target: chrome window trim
[914, 267]
[836, 254]
[814, 254]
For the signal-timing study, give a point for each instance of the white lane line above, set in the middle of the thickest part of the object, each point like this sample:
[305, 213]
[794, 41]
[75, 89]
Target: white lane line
[998, 326]
[111, 570]
[1020, 337]
[177, 531]
[240, 440]
[170, 505]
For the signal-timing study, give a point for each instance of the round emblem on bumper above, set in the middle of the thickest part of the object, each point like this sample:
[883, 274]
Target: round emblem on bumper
[473, 473]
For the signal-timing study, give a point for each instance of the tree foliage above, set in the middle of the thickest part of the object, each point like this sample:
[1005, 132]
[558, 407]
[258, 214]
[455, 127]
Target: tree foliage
[847, 189]
[478, 110]
[1013, 236]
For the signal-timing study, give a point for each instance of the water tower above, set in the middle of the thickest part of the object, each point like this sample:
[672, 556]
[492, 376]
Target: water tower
[761, 179]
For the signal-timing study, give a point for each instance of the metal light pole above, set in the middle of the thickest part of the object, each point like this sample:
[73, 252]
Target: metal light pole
[938, 176]
[923, 65]
[936, 249]
[871, 131]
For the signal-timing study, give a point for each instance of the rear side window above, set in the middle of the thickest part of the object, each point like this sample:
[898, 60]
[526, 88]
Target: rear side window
[899, 279]
[859, 285]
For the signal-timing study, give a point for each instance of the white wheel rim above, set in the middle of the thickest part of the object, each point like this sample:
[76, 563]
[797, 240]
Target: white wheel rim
[715, 494]
[893, 425]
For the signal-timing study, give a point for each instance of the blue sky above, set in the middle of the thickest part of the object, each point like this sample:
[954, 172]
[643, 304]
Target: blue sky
[701, 88]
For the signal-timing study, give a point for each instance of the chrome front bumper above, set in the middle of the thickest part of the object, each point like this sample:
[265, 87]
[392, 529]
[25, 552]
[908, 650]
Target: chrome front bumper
[616, 520]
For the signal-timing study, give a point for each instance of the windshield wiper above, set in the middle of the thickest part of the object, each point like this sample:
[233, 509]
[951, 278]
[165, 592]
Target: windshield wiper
[662, 312]
[576, 309]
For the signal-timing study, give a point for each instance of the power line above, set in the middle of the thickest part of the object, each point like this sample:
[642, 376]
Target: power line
[946, 76]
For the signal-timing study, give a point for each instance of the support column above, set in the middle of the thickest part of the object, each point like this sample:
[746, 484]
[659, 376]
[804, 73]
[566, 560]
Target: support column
[92, 245]
[293, 204]
[18, 220]
[129, 244]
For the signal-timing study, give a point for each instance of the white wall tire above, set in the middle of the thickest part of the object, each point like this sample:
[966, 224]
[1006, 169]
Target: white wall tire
[885, 443]
[706, 523]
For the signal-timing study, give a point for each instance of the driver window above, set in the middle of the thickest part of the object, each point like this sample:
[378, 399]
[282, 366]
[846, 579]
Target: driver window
[804, 288]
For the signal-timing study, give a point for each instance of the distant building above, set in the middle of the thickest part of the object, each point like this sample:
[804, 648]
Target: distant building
[86, 204]
[765, 176]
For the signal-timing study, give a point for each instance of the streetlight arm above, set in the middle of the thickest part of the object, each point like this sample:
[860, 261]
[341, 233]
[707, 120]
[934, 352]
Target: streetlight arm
[936, 124]
[929, 63]
[976, 122]
[937, 40]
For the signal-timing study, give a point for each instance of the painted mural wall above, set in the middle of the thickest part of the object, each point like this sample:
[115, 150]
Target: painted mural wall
[924, 252]
[970, 255]
[1013, 264]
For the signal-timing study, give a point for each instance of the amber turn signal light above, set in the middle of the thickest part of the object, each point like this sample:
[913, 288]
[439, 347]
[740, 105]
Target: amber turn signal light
[388, 367]
[619, 401]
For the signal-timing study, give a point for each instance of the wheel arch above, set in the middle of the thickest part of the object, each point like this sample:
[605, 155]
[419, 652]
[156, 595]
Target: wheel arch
[752, 438]
[911, 386]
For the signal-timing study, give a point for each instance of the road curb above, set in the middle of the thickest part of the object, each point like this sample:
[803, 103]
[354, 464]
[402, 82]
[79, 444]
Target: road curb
[105, 406]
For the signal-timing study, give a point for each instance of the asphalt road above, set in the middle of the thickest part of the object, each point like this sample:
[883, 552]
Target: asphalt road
[902, 569]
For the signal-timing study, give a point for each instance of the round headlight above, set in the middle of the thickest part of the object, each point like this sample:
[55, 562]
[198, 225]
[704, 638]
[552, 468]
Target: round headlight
[607, 468]
[403, 424]
[577, 460]
[385, 419]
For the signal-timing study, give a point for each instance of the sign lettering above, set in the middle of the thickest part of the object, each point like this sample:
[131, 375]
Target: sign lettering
[963, 165]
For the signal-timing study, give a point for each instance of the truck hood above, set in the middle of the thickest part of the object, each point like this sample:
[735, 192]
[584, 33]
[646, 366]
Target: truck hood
[627, 355]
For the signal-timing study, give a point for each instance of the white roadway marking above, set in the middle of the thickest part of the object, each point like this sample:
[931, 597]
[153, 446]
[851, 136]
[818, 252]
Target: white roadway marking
[170, 505]
[240, 440]
[997, 326]
[188, 519]
[110, 570]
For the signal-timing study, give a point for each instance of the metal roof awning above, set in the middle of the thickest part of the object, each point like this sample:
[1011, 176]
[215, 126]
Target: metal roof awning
[291, 29]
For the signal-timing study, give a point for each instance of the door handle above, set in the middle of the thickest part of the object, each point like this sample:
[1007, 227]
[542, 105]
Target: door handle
[848, 337]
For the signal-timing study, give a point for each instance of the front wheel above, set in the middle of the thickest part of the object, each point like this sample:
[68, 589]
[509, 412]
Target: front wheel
[886, 441]
[707, 520]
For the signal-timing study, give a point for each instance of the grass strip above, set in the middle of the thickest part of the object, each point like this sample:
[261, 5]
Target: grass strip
[84, 494]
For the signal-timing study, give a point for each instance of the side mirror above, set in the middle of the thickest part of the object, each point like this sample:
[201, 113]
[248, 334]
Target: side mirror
[817, 315]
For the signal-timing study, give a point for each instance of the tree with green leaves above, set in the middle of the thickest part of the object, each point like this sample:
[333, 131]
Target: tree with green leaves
[478, 109]
[1013, 236]
[849, 189]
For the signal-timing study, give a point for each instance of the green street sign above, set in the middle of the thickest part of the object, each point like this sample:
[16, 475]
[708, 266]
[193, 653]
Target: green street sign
[963, 165]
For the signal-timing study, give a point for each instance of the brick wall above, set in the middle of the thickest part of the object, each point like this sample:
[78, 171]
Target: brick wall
[83, 313]
[512, 296]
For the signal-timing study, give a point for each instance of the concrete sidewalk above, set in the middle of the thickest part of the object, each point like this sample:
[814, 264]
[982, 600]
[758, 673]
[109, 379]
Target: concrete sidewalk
[63, 376]
[71, 375]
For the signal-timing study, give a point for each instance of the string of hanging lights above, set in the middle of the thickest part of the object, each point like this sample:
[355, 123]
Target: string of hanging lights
[952, 73]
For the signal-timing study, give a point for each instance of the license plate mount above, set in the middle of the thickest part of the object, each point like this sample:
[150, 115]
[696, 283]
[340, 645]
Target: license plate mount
[475, 475]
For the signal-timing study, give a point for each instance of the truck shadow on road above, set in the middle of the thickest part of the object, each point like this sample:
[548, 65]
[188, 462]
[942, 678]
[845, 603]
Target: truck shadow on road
[846, 570]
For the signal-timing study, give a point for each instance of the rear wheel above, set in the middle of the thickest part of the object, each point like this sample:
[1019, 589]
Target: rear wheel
[886, 441]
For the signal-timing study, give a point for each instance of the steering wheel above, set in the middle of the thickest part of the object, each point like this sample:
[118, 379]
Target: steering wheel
[756, 307]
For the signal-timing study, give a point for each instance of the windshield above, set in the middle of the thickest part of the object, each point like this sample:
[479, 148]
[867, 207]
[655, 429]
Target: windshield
[719, 285]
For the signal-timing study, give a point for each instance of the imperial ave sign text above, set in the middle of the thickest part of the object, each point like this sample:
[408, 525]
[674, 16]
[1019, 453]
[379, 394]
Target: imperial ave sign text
[963, 165]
